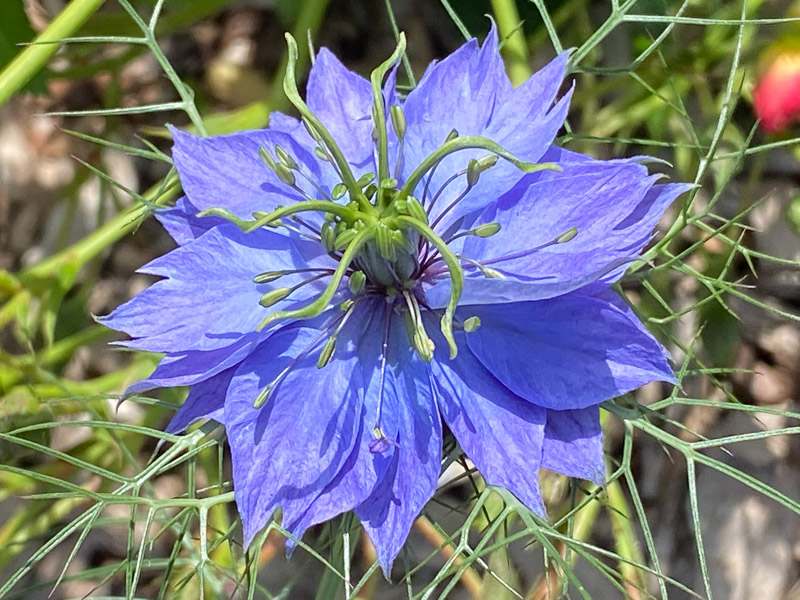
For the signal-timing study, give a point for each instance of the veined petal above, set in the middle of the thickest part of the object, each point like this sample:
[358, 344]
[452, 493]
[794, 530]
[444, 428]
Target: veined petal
[569, 352]
[612, 207]
[470, 92]
[183, 224]
[208, 300]
[411, 459]
[286, 452]
[573, 444]
[189, 368]
[501, 433]
[227, 171]
[342, 100]
[205, 401]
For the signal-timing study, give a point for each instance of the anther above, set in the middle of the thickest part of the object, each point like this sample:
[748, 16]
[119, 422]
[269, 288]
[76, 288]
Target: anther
[357, 281]
[486, 230]
[338, 191]
[274, 296]
[568, 235]
[398, 120]
[472, 324]
[327, 352]
[285, 159]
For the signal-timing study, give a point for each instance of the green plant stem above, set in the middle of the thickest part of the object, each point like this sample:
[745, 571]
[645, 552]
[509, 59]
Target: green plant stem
[515, 48]
[625, 540]
[30, 60]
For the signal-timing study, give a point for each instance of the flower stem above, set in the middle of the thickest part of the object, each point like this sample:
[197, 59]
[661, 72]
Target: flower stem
[30, 61]
[515, 48]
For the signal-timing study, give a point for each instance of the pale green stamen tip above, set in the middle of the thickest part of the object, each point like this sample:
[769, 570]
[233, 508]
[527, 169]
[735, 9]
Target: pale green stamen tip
[398, 120]
[268, 277]
[472, 324]
[327, 352]
[568, 235]
[357, 281]
[275, 296]
[487, 229]
[263, 396]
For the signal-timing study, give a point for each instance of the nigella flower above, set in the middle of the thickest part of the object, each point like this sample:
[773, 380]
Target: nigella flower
[350, 286]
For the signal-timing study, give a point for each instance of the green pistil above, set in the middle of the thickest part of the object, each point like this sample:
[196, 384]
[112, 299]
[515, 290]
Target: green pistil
[379, 111]
[316, 127]
[456, 276]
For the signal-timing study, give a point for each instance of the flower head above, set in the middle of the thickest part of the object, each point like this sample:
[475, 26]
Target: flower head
[350, 284]
[776, 98]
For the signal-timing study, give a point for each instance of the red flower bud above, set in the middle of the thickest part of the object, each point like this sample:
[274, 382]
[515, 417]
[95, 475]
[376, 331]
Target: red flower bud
[777, 95]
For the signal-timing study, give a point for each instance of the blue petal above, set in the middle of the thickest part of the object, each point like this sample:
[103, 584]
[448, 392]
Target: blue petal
[569, 352]
[205, 401]
[613, 205]
[342, 100]
[183, 224]
[188, 368]
[499, 431]
[286, 452]
[227, 171]
[469, 92]
[573, 444]
[208, 300]
[411, 462]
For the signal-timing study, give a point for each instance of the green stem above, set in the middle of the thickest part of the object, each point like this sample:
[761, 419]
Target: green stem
[69, 261]
[30, 61]
[515, 48]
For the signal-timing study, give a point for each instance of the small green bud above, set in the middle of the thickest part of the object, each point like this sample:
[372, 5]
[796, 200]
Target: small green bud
[365, 179]
[284, 157]
[487, 229]
[274, 296]
[473, 172]
[471, 324]
[416, 210]
[263, 396]
[357, 281]
[321, 154]
[567, 235]
[338, 191]
[451, 136]
[327, 352]
[344, 238]
[389, 183]
[487, 162]
[491, 273]
[328, 237]
[398, 120]
[268, 276]
[266, 157]
[285, 174]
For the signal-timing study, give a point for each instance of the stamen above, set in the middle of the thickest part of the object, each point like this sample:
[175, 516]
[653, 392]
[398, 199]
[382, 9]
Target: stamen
[265, 394]
[463, 143]
[270, 276]
[481, 231]
[568, 235]
[456, 277]
[274, 296]
[316, 307]
[379, 447]
[399, 126]
[453, 134]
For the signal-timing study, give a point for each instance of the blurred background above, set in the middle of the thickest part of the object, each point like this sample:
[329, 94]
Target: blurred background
[705, 478]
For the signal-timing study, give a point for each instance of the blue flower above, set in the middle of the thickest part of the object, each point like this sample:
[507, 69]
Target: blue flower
[350, 286]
